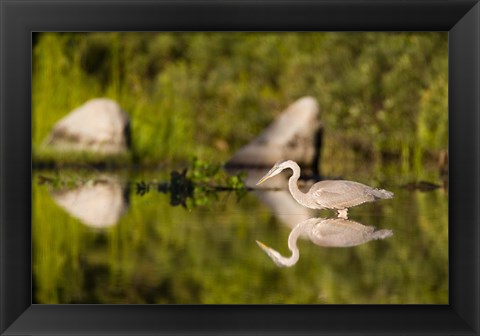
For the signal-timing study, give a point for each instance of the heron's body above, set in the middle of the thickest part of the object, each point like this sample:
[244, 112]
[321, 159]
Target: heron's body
[328, 232]
[336, 195]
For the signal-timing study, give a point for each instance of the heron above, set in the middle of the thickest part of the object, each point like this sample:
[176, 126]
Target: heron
[327, 232]
[338, 195]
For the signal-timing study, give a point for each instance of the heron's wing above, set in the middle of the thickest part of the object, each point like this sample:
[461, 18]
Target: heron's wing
[340, 194]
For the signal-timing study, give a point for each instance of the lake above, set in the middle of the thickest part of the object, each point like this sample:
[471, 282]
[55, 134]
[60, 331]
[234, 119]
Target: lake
[120, 237]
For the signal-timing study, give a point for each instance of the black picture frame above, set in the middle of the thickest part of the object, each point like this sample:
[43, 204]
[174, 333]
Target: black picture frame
[20, 18]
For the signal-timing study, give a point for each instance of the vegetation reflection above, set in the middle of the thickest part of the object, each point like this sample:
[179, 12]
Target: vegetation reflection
[157, 253]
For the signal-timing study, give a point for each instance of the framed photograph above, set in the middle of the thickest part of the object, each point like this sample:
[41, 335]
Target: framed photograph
[137, 138]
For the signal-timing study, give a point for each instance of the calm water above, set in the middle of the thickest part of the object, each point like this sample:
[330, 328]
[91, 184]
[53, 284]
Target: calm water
[97, 238]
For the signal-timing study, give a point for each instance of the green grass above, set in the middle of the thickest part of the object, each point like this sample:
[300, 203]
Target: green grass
[207, 94]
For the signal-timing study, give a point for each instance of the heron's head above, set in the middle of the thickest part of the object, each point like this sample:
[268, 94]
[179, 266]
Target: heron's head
[276, 169]
[277, 258]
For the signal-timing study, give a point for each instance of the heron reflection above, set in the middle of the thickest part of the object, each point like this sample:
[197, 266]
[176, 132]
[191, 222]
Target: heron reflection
[336, 195]
[327, 232]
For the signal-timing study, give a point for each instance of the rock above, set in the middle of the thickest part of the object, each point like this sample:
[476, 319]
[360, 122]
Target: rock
[98, 204]
[294, 135]
[284, 207]
[421, 186]
[99, 125]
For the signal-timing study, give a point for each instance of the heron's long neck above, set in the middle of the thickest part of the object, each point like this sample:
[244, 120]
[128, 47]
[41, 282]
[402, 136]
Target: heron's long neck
[299, 196]
[292, 245]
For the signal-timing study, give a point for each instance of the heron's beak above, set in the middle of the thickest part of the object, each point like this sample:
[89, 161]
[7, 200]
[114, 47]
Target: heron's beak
[263, 179]
[268, 252]
[263, 246]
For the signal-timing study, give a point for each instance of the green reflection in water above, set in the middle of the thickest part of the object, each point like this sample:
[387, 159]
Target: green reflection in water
[157, 253]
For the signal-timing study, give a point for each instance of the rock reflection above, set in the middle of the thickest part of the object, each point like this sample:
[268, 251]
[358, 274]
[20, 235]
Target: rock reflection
[326, 232]
[98, 203]
[275, 195]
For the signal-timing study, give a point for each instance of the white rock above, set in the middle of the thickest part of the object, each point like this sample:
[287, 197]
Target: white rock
[99, 125]
[291, 136]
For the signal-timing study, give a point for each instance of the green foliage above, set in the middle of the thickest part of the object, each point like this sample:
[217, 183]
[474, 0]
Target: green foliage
[196, 185]
[432, 125]
[210, 179]
[207, 94]
[213, 175]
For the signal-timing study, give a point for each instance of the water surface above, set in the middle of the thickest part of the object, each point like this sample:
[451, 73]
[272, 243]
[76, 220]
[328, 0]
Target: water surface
[98, 239]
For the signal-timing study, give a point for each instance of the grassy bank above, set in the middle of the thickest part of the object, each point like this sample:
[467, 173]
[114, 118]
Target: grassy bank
[207, 94]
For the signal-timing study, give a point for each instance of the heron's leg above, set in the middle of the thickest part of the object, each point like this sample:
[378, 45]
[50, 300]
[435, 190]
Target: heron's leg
[342, 213]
